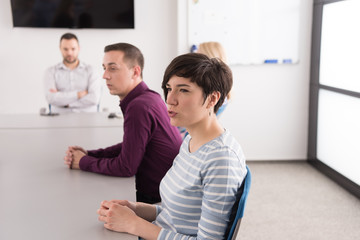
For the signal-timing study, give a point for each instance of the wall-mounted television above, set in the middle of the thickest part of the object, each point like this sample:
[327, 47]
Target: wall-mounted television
[73, 13]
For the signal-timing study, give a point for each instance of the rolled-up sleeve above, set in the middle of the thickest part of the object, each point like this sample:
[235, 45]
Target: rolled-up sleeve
[137, 133]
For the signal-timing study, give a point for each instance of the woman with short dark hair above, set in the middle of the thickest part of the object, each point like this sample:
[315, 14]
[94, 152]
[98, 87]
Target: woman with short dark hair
[199, 191]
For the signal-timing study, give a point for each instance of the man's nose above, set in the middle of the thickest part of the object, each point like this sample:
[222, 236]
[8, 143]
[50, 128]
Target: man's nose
[105, 75]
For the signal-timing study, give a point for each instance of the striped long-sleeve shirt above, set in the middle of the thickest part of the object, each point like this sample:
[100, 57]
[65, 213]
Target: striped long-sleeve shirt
[200, 189]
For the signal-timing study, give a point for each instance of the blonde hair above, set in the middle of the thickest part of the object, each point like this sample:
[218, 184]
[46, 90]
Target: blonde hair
[214, 50]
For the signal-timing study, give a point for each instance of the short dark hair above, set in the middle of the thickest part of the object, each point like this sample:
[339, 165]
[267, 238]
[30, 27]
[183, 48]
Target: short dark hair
[69, 36]
[210, 74]
[132, 55]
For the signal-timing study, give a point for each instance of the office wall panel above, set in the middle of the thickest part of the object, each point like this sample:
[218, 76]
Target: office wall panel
[339, 133]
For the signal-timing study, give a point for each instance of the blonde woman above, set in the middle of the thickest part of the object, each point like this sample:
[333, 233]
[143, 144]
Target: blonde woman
[213, 50]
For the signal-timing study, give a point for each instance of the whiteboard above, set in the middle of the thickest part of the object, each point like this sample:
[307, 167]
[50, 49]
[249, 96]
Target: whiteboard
[251, 31]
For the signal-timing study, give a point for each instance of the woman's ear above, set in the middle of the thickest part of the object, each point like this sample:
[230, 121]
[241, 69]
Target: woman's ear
[213, 99]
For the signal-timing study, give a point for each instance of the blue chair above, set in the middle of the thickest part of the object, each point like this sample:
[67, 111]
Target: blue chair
[241, 206]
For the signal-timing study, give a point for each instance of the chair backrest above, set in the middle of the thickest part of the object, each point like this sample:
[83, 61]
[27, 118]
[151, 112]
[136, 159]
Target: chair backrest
[241, 206]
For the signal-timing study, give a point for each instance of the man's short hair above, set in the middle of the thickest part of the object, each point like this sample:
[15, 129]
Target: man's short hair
[212, 75]
[132, 55]
[69, 36]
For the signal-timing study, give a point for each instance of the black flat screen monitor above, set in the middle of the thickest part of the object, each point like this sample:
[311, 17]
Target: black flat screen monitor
[73, 13]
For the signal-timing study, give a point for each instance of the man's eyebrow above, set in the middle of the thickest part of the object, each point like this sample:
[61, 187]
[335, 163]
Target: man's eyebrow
[110, 64]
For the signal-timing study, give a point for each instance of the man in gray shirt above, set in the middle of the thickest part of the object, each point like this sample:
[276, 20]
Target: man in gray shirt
[72, 86]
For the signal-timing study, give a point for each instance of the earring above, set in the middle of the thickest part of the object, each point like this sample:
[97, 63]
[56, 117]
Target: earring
[209, 112]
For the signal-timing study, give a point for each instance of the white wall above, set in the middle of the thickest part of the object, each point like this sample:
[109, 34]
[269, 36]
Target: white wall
[269, 111]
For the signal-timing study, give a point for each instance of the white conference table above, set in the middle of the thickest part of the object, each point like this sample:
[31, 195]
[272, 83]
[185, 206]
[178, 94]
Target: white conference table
[40, 198]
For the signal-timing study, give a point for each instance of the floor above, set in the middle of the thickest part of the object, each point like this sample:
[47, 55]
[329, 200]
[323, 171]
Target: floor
[293, 200]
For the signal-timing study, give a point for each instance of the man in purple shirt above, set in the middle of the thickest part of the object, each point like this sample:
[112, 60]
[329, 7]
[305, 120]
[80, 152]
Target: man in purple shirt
[150, 143]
